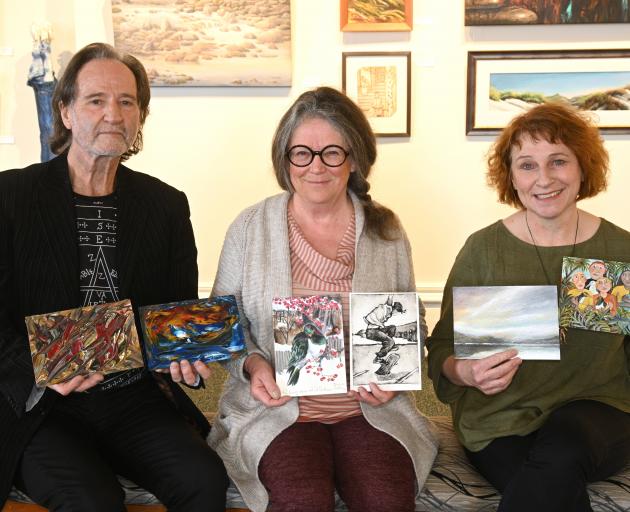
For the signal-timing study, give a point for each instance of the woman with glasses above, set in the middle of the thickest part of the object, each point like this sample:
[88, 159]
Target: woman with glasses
[323, 235]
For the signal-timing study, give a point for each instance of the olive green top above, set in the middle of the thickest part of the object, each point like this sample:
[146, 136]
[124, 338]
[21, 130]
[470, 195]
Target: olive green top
[593, 365]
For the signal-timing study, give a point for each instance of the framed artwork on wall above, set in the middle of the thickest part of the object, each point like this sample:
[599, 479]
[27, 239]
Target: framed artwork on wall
[209, 43]
[545, 12]
[380, 83]
[376, 15]
[503, 84]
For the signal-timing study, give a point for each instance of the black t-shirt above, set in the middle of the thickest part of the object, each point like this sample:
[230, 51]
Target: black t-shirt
[97, 233]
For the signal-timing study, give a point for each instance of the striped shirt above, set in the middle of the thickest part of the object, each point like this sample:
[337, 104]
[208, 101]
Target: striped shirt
[315, 274]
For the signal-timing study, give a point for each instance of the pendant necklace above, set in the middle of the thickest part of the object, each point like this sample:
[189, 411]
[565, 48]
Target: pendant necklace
[540, 260]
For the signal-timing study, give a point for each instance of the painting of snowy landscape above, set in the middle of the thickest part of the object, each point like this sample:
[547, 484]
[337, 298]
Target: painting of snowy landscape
[384, 341]
[491, 319]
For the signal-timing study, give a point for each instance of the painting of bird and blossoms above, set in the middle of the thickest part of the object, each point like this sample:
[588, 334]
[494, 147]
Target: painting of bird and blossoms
[206, 330]
[308, 343]
[100, 338]
[384, 341]
[595, 295]
[207, 42]
[491, 319]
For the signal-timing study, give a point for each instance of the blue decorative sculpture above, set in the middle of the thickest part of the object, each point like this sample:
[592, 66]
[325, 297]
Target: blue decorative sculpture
[42, 79]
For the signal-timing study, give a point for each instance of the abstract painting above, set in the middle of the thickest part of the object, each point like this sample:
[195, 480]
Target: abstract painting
[491, 319]
[547, 12]
[204, 330]
[384, 341]
[376, 15]
[595, 295]
[308, 343]
[207, 42]
[101, 338]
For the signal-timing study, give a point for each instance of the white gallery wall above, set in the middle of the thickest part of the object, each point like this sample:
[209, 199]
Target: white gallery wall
[214, 143]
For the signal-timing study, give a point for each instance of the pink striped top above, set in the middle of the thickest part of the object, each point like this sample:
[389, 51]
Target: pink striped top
[315, 274]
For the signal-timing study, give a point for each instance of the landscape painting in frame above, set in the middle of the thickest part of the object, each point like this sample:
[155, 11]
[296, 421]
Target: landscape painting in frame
[502, 85]
[308, 343]
[491, 319]
[206, 330]
[207, 42]
[595, 295]
[385, 341]
[547, 12]
[380, 83]
[376, 15]
[101, 338]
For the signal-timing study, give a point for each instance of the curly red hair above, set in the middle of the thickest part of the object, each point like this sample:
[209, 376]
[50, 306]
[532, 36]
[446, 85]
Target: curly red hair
[555, 123]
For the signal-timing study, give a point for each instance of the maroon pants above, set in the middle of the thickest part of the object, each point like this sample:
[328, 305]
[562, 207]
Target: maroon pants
[371, 471]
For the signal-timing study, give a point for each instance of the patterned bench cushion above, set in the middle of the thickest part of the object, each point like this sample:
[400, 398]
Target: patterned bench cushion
[453, 485]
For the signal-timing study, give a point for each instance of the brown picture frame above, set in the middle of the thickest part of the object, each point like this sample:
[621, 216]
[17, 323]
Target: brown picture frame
[402, 24]
[380, 83]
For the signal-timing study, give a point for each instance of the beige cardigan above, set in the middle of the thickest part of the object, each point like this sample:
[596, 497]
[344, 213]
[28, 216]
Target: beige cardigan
[255, 267]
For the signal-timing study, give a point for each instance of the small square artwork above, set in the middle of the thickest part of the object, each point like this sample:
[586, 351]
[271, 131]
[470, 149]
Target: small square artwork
[491, 319]
[309, 348]
[595, 295]
[384, 341]
[204, 330]
[101, 338]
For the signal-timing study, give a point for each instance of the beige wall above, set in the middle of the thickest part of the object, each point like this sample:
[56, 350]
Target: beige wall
[214, 143]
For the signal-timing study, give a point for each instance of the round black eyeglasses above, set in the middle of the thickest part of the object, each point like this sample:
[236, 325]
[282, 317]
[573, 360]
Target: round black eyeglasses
[332, 155]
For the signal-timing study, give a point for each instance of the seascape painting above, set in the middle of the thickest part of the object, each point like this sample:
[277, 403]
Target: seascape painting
[206, 330]
[207, 42]
[491, 319]
[385, 341]
[308, 344]
[101, 338]
[595, 295]
[590, 91]
[545, 12]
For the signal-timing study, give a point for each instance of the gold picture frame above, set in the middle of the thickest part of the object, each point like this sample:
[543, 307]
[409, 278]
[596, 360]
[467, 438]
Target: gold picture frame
[376, 15]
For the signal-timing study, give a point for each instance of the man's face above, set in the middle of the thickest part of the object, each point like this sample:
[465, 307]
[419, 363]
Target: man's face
[104, 117]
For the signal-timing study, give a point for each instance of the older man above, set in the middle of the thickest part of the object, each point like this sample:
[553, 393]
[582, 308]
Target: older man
[83, 229]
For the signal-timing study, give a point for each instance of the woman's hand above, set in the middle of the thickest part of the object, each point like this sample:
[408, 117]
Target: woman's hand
[490, 375]
[263, 385]
[78, 384]
[377, 397]
[189, 373]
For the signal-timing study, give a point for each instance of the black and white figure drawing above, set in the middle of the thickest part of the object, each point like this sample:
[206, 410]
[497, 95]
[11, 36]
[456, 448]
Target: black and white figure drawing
[491, 319]
[384, 341]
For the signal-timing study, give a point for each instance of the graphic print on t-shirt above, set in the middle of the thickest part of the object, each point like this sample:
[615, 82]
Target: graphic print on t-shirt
[96, 231]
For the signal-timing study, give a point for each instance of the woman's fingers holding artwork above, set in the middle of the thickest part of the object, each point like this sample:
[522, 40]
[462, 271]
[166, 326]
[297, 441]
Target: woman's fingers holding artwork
[490, 374]
[263, 385]
[376, 397]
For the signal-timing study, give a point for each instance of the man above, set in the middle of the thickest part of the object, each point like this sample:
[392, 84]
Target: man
[83, 229]
[376, 329]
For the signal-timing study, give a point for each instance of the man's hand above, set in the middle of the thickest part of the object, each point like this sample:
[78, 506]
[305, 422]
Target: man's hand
[184, 371]
[78, 384]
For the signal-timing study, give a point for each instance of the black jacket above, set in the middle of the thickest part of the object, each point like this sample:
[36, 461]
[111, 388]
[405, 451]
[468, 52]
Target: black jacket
[39, 273]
